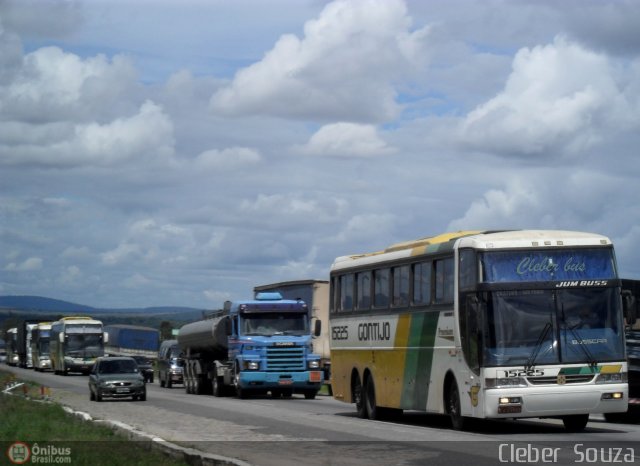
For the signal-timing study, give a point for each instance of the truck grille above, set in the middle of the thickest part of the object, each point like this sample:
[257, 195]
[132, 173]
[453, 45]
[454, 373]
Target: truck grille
[285, 359]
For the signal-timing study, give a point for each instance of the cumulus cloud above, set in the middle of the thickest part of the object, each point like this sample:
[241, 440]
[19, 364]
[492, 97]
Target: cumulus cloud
[559, 97]
[148, 134]
[342, 69]
[346, 140]
[28, 265]
[51, 84]
[228, 159]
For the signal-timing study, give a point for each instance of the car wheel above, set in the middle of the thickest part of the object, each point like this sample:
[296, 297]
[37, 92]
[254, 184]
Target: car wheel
[143, 397]
[98, 396]
[92, 396]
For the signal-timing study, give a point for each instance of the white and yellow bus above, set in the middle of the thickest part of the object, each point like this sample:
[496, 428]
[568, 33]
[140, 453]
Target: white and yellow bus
[75, 344]
[482, 324]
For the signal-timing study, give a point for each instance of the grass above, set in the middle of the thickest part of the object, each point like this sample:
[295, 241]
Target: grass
[47, 424]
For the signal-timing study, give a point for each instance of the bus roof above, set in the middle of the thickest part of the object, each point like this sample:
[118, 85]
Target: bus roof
[474, 239]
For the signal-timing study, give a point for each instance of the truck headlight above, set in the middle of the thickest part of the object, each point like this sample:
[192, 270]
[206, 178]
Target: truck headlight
[253, 365]
[314, 364]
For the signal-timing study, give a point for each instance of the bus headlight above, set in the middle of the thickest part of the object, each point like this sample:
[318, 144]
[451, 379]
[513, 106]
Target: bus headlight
[618, 377]
[314, 364]
[505, 382]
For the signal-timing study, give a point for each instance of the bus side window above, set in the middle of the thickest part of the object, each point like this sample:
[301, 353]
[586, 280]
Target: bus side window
[363, 290]
[422, 283]
[444, 281]
[346, 292]
[468, 269]
[469, 332]
[401, 285]
[381, 288]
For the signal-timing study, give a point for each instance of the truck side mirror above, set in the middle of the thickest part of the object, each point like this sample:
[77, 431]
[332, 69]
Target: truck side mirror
[629, 307]
[105, 337]
[61, 337]
[228, 328]
[317, 328]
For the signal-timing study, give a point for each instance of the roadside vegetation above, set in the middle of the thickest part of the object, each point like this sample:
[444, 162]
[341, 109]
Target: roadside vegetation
[33, 422]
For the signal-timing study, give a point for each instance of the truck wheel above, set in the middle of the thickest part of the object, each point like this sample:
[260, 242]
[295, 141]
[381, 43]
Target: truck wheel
[240, 393]
[310, 395]
[160, 379]
[217, 387]
[169, 383]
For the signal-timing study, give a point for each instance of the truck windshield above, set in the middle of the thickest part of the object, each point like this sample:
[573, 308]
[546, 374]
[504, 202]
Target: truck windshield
[573, 325]
[271, 323]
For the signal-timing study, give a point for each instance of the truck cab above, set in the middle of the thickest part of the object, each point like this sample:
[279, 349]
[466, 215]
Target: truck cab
[271, 348]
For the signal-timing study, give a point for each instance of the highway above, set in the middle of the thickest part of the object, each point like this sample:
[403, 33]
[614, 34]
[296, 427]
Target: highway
[266, 431]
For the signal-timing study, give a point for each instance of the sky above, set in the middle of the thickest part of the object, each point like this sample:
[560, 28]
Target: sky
[181, 152]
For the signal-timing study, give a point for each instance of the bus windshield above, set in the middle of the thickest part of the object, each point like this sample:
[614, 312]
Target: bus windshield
[573, 325]
[271, 323]
[43, 347]
[87, 345]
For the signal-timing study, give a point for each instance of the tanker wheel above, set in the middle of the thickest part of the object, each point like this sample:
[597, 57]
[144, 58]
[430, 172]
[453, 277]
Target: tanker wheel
[217, 387]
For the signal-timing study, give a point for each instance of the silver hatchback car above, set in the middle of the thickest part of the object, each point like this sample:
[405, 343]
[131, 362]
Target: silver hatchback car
[116, 377]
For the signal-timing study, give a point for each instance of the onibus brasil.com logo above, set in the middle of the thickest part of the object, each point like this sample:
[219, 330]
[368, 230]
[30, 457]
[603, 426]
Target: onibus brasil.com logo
[22, 453]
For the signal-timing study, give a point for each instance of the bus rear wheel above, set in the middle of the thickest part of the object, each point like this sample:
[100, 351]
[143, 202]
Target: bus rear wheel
[358, 397]
[370, 399]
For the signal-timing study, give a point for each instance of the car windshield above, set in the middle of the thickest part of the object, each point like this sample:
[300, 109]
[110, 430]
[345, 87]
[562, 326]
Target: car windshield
[120, 366]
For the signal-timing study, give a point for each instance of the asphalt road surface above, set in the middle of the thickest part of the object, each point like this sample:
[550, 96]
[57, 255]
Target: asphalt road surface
[265, 431]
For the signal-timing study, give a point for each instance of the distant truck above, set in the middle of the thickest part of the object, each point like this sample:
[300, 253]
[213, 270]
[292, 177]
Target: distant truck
[254, 346]
[316, 294]
[40, 345]
[11, 346]
[76, 343]
[23, 342]
[132, 340]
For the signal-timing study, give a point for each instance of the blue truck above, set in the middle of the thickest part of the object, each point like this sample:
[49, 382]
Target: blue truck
[131, 340]
[253, 347]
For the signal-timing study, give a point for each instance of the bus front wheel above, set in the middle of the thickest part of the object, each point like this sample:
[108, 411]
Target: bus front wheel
[454, 408]
[575, 423]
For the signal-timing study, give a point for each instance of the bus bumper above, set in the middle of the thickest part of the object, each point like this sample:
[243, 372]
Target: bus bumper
[556, 401]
